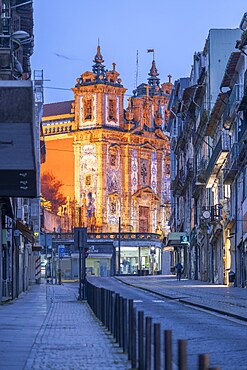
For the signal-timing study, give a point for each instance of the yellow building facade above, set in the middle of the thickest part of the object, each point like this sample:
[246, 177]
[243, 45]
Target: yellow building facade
[114, 163]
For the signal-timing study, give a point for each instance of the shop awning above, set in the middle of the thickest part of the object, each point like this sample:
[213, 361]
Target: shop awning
[24, 230]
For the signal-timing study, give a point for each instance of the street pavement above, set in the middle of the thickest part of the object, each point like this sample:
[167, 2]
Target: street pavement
[228, 300]
[47, 328]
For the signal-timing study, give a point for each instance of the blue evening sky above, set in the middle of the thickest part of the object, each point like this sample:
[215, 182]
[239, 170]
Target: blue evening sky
[67, 33]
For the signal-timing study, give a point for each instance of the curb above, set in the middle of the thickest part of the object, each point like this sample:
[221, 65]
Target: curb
[189, 303]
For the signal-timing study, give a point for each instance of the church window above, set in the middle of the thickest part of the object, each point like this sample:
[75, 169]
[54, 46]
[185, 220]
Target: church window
[144, 219]
[88, 180]
[112, 116]
[144, 172]
[88, 109]
[113, 207]
[113, 159]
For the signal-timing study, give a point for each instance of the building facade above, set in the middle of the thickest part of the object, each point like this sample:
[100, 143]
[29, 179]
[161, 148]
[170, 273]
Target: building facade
[19, 205]
[113, 163]
[210, 148]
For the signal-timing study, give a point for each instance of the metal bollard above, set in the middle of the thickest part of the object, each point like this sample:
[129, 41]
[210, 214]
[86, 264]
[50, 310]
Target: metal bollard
[182, 354]
[125, 325]
[121, 321]
[141, 340]
[133, 349]
[130, 309]
[203, 362]
[148, 335]
[111, 313]
[168, 349]
[156, 346]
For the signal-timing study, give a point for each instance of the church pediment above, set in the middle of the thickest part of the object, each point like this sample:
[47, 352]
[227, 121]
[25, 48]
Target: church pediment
[146, 193]
[147, 145]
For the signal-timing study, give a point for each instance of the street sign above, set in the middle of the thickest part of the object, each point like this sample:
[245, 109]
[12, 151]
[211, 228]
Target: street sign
[46, 240]
[184, 239]
[80, 237]
[61, 250]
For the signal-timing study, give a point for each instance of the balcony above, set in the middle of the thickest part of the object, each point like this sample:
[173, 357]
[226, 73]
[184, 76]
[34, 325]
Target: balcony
[189, 169]
[178, 183]
[233, 104]
[230, 169]
[217, 159]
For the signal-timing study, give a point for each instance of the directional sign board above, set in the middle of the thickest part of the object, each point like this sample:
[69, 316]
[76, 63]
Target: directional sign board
[184, 239]
[61, 250]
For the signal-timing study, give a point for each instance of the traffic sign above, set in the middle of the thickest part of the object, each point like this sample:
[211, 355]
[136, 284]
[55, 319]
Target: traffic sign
[184, 239]
[61, 250]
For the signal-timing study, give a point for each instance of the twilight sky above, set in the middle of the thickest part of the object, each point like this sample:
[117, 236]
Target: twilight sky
[67, 33]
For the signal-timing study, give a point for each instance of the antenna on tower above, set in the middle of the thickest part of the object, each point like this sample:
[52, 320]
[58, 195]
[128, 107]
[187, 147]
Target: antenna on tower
[137, 68]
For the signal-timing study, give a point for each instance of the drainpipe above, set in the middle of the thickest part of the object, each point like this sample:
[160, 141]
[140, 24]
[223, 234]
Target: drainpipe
[236, 231]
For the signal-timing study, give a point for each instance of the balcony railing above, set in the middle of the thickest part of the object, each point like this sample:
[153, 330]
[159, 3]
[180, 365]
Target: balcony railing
[217, 158]
[178, 182]
[189, 169]
[230, 168]
[233, 103]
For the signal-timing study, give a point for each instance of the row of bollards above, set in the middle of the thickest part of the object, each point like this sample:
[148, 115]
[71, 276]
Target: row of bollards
[139, 337]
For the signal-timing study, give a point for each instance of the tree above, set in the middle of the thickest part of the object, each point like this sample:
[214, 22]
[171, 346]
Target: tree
[50, 189]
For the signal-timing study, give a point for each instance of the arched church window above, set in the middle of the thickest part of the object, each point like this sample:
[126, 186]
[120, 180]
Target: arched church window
[88, 180]
[112, 110]
[113, 207]
[88, 109]
[113, 159]
[144, 172]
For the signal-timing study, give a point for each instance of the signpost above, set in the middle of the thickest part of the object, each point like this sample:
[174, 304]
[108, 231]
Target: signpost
[80, 240]
[61, 251]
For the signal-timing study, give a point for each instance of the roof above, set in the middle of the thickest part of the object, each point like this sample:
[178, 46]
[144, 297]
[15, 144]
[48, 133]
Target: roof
[230, 69]
[56, 109]
[216, 111]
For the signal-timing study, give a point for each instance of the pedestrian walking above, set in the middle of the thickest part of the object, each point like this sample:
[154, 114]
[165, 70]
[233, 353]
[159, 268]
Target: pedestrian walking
[179, 268]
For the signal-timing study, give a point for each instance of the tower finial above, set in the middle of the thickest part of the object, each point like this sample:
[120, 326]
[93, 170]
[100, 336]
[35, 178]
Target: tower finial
[153, 80]
[98, 66]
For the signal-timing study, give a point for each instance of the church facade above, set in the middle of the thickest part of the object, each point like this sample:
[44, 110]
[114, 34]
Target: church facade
[113, 163]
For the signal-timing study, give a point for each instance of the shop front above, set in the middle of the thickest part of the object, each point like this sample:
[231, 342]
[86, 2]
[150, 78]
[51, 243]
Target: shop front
[139, 258]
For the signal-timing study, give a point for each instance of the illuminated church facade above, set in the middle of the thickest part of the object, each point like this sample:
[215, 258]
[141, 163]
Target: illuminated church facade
[114, 163]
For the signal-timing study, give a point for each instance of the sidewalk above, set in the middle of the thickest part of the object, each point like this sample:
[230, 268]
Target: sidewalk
[47, 328]
[231, 301]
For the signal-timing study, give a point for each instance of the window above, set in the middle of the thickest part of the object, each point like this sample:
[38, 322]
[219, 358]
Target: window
[113, 207]
[88, 180]
[88, 109]
[113, 159]
[144, 172]
[112, 116]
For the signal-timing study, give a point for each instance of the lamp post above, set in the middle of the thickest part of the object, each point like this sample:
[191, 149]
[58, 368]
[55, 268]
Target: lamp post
[119, 252]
